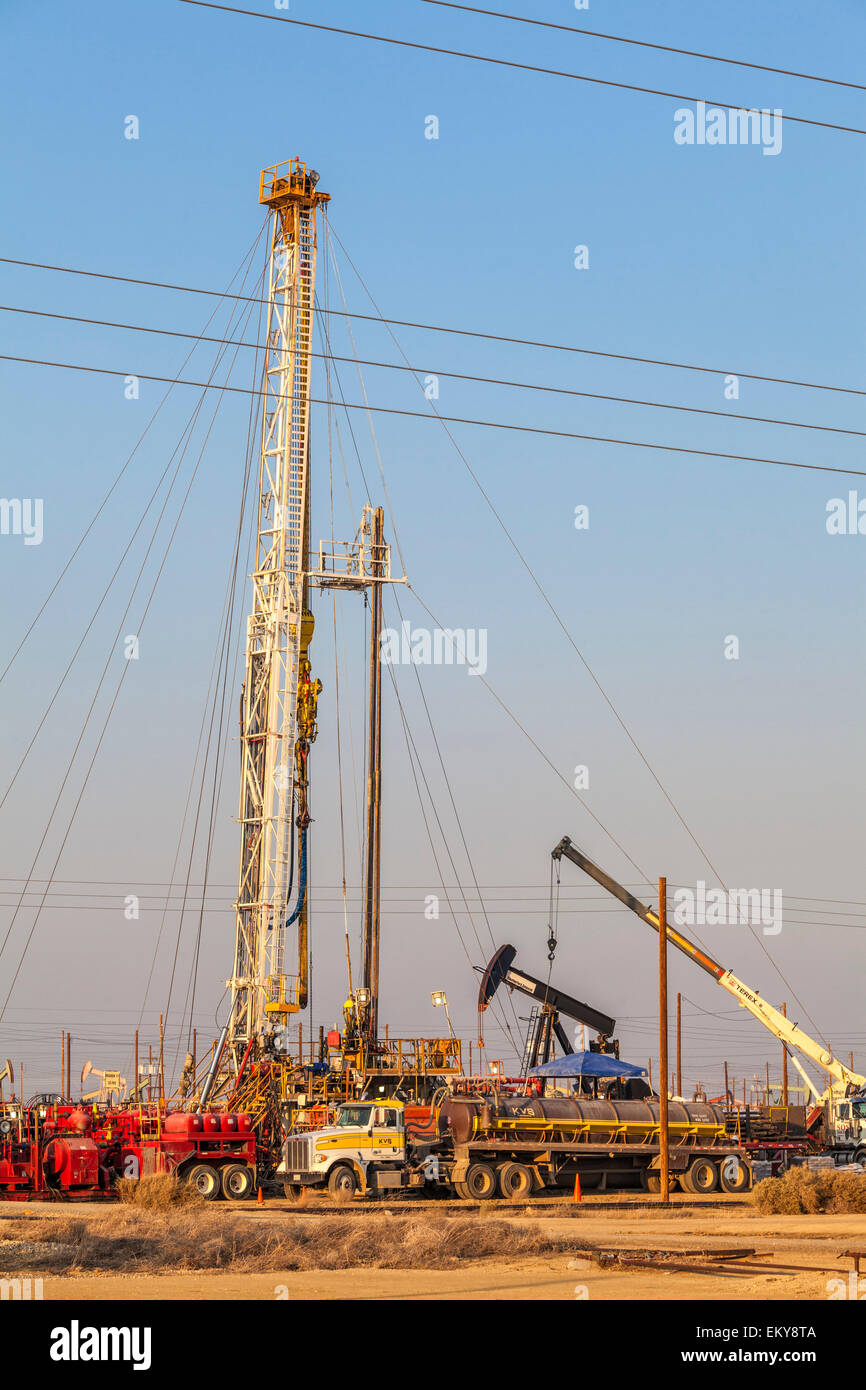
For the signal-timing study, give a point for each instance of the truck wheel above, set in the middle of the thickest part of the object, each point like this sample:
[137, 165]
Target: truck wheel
[480, 1181]
[204, 1180]
[342, 1183]
[651, 1182]
[701, 1176]
[294, 1191]
[237, 1182]
[734, 1175]
[515, 1180]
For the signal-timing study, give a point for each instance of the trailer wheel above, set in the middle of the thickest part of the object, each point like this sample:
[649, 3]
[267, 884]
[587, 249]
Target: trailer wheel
[734, 1174]
[342, 1183]
[294, 1191]
[700, 1177]
[651, 1182]
[515, 1180]
[205, 1181]
[480, 1182]
[237, 1182]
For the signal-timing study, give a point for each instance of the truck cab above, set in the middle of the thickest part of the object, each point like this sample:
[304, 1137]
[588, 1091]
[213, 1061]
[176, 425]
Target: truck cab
[364, 1150]
[849, 1125]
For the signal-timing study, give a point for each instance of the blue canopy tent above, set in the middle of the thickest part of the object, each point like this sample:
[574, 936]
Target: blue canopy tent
[593, 1064]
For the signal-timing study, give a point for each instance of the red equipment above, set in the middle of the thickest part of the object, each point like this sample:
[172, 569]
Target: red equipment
[61, 1150]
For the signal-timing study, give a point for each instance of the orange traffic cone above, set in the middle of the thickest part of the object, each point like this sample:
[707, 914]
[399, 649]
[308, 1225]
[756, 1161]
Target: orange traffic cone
[260, 1201]
[576, 1197]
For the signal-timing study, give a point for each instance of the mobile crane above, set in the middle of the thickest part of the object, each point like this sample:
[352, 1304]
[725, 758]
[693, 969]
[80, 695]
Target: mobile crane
[844, 1100]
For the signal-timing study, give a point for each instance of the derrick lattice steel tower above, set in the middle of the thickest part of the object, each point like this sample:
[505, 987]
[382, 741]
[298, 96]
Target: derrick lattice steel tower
[278, 718]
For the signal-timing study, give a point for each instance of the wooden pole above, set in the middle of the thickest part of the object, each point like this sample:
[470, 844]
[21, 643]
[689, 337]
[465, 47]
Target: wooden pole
[149, 1071]
[161, 1078]
[679, 1044]
[62, 1060]
[68, 1066]
[374, 787]
[727, 1087]
[136, 1077]
[665, 1195]
[194, 1050]
[785, 1064]
[767, 1093]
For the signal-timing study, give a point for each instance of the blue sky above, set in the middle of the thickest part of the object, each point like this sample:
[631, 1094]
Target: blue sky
[717, 256]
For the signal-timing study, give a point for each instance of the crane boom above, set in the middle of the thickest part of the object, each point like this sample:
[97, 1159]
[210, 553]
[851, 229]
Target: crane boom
[773, 1019]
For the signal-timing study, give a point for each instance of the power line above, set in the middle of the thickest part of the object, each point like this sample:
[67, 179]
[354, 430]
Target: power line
[119, 475]
[643, 43]
[452, 376]
[390, 911]
[457, 332]
[186, 437]
[453, 419]
[581, 895]
[509, 63]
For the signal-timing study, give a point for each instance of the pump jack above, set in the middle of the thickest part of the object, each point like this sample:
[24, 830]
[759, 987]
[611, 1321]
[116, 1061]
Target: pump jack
[499, 971]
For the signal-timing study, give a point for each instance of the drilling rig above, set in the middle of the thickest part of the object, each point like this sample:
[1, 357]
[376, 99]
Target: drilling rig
[253, 1066]
[278, 715]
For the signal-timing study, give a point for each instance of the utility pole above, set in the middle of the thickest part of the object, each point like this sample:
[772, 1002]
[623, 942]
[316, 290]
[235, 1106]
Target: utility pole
[136, 1078]
[727, 1087]
[374, 785]
[768, 1086]
[62, 1060]
[785, 1064]
[161, 1077]
[663, 1042]
[68, 1069]
[679, 1044]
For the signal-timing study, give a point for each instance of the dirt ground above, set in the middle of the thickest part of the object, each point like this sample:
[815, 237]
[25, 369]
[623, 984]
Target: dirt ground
[797, 1256]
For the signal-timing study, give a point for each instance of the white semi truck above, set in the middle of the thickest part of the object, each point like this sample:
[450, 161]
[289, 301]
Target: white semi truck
[365, 1151]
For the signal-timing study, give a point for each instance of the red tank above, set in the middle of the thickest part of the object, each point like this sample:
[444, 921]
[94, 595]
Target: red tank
[229, 1124]
[71, 1162]
[244, 1124]
[212, 1123]
[181, 1123]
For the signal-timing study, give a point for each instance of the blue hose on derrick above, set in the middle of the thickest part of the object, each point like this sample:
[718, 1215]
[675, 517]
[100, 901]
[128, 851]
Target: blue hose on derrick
[302, 881]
